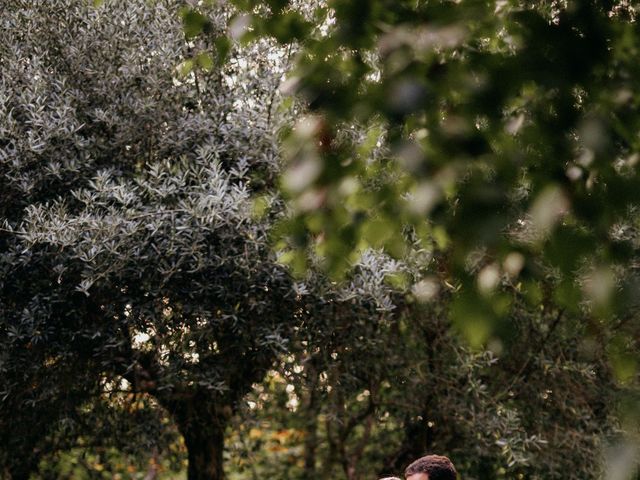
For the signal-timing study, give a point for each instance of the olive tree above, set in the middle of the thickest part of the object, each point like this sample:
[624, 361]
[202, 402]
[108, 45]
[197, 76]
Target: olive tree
[130, 253]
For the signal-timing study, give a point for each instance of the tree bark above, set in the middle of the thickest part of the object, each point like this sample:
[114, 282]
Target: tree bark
[312, 409]
[204, 447]
[22, 465]
[19, 473]
[202, 424]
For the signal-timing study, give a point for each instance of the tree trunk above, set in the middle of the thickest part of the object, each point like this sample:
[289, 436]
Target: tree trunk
[204, 447]
[310, 445]
[19, 473]
[202, 424]
[22, 465]
[312, 410]
[416, 442]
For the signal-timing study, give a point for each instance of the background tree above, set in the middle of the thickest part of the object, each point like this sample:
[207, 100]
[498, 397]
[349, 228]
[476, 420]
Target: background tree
[364, 399]
[130, 255]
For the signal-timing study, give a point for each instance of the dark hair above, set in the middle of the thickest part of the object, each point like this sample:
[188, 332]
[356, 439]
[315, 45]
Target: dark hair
[436, 467]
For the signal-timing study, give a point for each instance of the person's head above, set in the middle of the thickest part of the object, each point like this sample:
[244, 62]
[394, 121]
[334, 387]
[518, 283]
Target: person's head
[431, 467]
[389, 478]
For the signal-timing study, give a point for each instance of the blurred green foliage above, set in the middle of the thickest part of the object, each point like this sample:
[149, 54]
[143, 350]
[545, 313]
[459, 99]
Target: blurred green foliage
[501, 129]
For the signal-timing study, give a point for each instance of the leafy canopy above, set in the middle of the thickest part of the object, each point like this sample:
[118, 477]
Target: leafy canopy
[500, 137]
